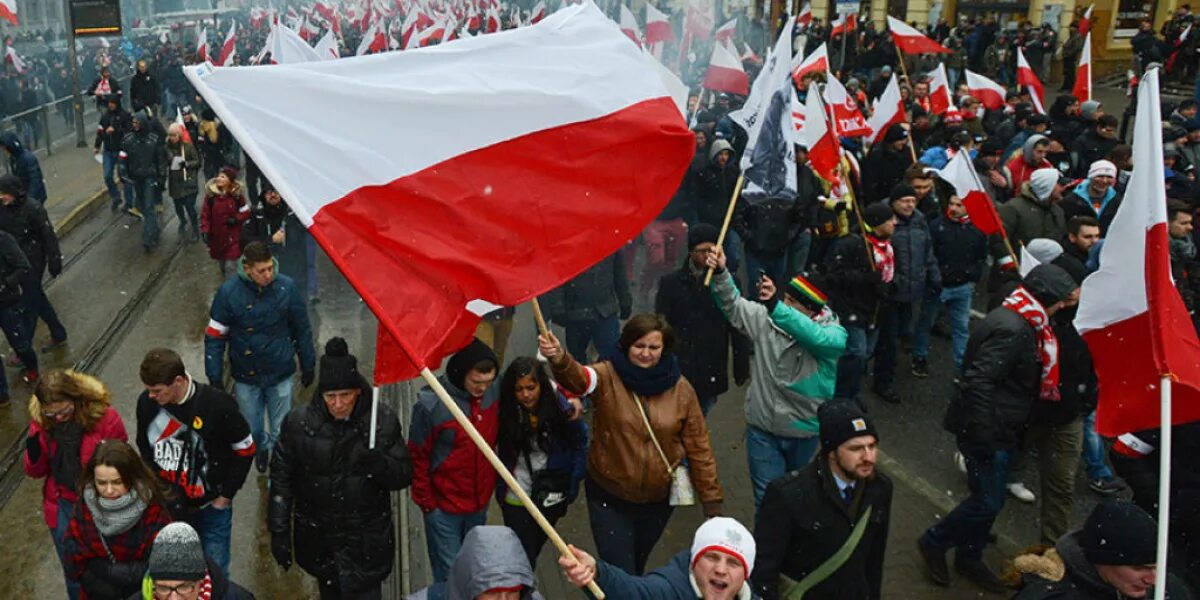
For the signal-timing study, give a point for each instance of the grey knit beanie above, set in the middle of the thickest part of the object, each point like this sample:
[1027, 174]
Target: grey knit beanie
[177, 555]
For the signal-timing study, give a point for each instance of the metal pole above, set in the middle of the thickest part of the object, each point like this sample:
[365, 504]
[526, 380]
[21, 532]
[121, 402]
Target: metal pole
[1164, 487]
[45, 112]
[76, 92]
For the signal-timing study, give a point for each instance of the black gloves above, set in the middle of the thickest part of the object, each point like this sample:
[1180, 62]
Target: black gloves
[306, 378]
[626, 312]
[231, 221]
[33, 448]
[372, 463]
[281, 549]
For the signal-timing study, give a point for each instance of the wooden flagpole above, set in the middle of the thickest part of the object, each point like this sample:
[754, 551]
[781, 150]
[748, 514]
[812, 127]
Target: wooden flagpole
[737, 191]
[1164, 488]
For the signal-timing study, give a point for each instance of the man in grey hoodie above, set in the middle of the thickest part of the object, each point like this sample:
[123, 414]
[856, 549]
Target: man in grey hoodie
[491, 565]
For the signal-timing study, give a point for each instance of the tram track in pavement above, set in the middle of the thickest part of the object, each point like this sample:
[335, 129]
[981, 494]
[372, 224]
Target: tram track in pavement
[98, 353]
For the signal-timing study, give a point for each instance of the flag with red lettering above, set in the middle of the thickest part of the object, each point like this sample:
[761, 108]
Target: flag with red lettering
[848, 119]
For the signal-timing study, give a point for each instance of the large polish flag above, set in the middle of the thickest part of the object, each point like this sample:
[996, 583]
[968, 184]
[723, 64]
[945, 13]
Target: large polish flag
[911, 41]
[1026, 77]
[990, 93]
[565, 145]
[658, 26]
[940, 100]
[816, 62]
[229, 48]
[629, 25]
[8, 10]
[887, 110]
[725, 72]
[1083, 73]
[1130, 313]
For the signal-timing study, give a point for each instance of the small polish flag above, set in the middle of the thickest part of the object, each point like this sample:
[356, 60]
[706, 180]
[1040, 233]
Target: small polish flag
[538, 12]
[1026, 77]
[229, 48]
[804, 19]
[1085, 22]
[201, 45]
[960, 173]
[374, 40]
[823, 147]
[327, 48]
[629, 25]
[749, 54]
[911, 41]
[658, 26]
[939, 90]
[848, 120]
[816, 62]
[725, 72]
[183, 130]
[8, 10]
[11, 57]
[990, 93]
[887, 110]
[1083, 73]
[844, 24]
[726, 31]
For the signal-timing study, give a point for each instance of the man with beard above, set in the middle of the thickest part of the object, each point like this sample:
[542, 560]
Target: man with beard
[841, 491]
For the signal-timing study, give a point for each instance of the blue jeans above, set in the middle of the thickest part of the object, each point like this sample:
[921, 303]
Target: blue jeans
[852, 365]
[110, 165]
[957, 300]
[770, 456]
[147, 196]
[1093, 450]
[603, 333]
[625, 532]
[214, 526]
[59, 534]
[966, 528]
[444, 533]
[253, 399]
[35, 305]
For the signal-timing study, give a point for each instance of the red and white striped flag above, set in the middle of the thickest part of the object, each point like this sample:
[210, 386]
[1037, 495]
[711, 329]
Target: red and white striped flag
[1130, 313]
[1027, 78]
[725, 32]
[990, 93]
[844, 24]
[8, 10]
[658, 26]
[629, 25]
[911, 41]
[824, 151]
[183, 130]
[940, 99]
[725, 72]
[202, 44]
[804, 19]
[229, 48]
[12, 58]
[389, 217]
[538, 12]
[327, 48]
[1085, 22]
[960, 173]
[887, 110]
[1083, 73]
[817, 62]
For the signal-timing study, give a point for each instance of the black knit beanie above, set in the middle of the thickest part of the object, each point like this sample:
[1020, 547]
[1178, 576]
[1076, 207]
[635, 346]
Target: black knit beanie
[702, 233]
[462, 361]
[339, 368]
[876, 214]
[842, 420]
[1119, 533]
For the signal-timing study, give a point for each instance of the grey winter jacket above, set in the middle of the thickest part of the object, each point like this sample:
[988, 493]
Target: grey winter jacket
[491, 557]
[916, 266]
[1025, 219]
[794, 367]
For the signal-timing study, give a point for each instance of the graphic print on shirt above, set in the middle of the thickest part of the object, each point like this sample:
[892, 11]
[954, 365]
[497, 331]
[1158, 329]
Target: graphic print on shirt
[179, 454]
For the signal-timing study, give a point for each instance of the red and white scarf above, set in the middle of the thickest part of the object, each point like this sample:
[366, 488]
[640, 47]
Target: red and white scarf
[1023, 303]
[963, 220]
[885, 258]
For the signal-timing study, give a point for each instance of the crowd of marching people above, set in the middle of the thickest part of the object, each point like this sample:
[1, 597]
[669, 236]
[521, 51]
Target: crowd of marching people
[808, 302]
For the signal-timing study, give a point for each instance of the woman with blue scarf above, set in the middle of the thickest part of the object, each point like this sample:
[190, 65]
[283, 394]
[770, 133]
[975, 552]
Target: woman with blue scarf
[647, 424]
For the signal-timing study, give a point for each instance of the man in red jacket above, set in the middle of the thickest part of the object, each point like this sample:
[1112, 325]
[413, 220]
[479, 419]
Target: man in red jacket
[452, 481]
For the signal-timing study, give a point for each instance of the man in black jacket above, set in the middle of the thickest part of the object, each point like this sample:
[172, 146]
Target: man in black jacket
[28, 223]
[113, 126]
[1011, 362]
[143, 89]
[838, 501]
[195, 439]
[775, 231]
[961, 250]
[884, 167]
[144, 167]
[703, 335]
[856, 274]
[331, 488]
[13, 267]
[589, 306]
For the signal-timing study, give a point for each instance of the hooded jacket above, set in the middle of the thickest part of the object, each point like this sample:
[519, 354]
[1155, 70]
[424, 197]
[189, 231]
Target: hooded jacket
[1078, 203]
[794, 368]
[1081, 581]
[1021, 168]
[1027, 218]
[714, 185]
[28, 223]
[340, 514]
[24, 164]
[674, 581]
[215, 215]
[491, 558]
[264, 328]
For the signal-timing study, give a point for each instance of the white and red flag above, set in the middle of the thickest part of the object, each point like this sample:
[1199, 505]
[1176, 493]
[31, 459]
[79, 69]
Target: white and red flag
[698, 20]
[823, 147]
[1027, 78]
[844, 24]
[629, 25]
[229, 48]
[201, 44]
[911, 41]
[325, 11]
[431, 240]
[725, 72]
[183, 130]
[960, 173]
[1085, 22]
[1130, 313]
[327, 48]
[726, 32]
[804, 19]
[11, 57]
[374, 40]
[940, 99]
[887, 110]
[258, 17]
[1083, 73]
[749, 54]
[848, 119]
[658, 26]
[8, 10]
[538, 12]
[990, 93]
[817, 62]
[287, 47]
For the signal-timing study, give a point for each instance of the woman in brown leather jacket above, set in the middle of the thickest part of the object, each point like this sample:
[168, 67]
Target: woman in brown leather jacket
[628, 481]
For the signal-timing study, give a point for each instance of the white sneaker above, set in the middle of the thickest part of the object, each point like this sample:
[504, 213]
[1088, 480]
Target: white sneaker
[1020, 492]
[960, 462]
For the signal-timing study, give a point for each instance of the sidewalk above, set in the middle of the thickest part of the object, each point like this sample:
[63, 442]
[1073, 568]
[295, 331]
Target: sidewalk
[74, 185]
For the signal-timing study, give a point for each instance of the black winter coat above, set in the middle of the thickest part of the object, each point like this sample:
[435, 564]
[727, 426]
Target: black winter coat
[1000, 379]
[144, 156]
[323, 494]
[119, 120]
[13, 268]
[597, 293]
[854, 287]
[1089, 148]
[882, 169]
[916, 267]
[143, 91]
[28, 223]
[803, 521]
[703, 335]
[714, 189]
[961, 251]
[768, 227]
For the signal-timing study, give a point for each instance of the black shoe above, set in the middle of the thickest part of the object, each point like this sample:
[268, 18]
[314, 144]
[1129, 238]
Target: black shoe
[981, 575]
[1105, 486]
[920, 367]
[262, 460]
[887, 394]
[4, 400]
[935, 563]
[53, 345]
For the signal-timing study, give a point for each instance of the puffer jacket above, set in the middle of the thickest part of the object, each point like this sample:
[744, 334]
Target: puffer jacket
[491, 558]
[143, 155]
[597, 293]
[449, 472]
[674, 581]
[1081, 581]
[794, 368]
[24, 164]
[28, 223]
[215, 213]
[916, 266]
[340, 515]
[622, 460]
[1025, 219]
[263, 327]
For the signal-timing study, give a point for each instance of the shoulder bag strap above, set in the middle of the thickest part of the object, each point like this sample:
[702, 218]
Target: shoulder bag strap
[796, 590]
[653, 438]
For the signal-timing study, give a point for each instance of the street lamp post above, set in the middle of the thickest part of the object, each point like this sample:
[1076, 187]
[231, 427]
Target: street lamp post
[76, 92]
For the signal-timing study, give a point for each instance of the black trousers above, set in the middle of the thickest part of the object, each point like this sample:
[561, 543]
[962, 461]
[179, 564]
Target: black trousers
[625, 532]
[332, 591]
[532, 537]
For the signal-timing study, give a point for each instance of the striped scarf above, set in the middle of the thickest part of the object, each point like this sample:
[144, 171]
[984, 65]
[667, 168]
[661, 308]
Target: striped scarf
[1024, 304]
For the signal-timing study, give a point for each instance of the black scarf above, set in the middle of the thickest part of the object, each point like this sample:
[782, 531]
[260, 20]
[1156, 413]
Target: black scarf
[66, 463]
[647, 382]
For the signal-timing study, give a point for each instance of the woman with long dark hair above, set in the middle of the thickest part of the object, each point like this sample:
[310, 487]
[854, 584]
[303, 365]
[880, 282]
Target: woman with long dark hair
[545, 450]
[122, 508]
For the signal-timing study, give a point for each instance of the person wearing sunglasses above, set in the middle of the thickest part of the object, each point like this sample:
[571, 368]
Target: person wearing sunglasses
[179, 570]
[70, 414]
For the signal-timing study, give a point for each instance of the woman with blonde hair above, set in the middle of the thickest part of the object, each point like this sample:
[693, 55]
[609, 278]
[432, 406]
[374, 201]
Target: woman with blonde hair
[70, 414]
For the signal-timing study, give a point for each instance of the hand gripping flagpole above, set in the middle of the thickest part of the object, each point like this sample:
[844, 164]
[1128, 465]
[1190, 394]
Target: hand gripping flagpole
[737, 191]
[1164, 488]
[503, 471]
